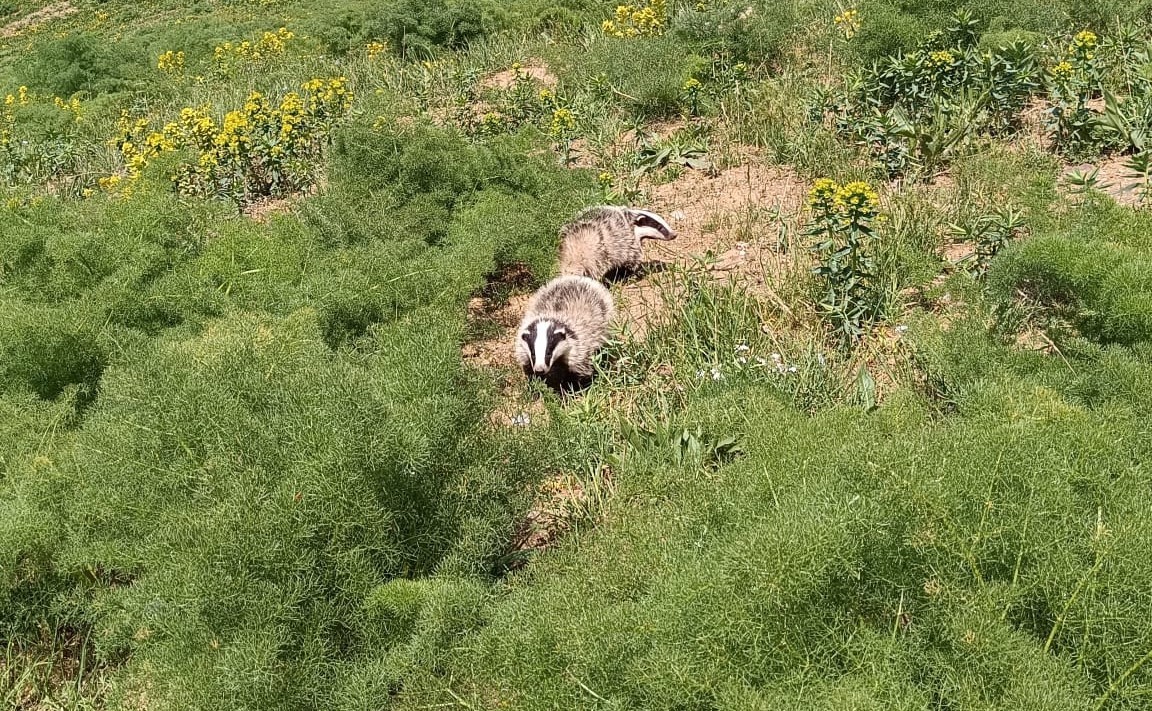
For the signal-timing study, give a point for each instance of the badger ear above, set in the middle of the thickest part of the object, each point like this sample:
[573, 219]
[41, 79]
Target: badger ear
[649, 225]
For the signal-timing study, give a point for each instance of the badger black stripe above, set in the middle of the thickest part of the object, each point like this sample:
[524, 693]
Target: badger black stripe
[556, 335]
[530, 339]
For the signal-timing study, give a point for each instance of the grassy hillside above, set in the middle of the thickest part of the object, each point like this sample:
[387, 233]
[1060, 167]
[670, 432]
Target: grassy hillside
[875, 435]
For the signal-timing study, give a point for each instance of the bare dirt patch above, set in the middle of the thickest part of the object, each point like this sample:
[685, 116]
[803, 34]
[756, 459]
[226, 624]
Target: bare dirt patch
[1034, 339]
[1034, 123]
[733, 224]
[956, 252]
[495, 350]
[1112, 177]
[54, 11]
[535, 71]
[264, 209]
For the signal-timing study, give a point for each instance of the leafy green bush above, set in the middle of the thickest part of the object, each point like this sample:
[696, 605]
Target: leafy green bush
[82, 63]
[43, 353]
[1107, 288]
[915, 111]
[413, 27]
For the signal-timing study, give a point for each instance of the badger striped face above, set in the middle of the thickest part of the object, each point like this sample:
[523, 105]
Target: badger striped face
[546, 342]
[649, 225]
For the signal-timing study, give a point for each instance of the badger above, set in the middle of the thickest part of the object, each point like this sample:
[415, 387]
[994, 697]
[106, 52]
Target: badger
[565, 324]
[607, 237]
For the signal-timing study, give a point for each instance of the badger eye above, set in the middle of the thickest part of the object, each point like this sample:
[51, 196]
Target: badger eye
[524, 337]
[561, 335]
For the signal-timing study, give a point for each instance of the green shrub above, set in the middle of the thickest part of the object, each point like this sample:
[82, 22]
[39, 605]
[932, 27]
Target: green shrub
[1106, 288]
[413, 27]
[82, 63]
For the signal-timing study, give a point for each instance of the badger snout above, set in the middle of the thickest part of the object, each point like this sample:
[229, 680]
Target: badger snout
[539, 368]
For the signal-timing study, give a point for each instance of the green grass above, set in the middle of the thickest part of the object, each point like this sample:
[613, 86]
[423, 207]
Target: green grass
[243, 463]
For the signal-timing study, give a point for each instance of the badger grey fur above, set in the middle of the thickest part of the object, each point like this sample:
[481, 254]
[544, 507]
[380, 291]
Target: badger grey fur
[565, 323]
[607, 237]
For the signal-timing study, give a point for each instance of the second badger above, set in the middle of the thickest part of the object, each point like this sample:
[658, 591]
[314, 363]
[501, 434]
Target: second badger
[608, 237]
[565, 324]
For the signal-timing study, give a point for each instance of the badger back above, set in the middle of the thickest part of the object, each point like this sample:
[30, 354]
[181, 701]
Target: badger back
[572, 296]
[598, 240]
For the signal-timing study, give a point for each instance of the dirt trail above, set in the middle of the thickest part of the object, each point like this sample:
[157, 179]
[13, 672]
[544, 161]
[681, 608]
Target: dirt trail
[729, 225]
[54, 11]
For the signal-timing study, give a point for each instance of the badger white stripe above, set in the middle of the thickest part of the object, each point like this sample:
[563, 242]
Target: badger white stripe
[656, 218]
[540, 348]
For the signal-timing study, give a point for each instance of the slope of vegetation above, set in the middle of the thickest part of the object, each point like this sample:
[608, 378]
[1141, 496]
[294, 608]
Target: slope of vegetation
[250, 458]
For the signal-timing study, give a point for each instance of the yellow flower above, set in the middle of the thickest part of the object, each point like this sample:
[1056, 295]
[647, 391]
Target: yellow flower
[563, 122]
[72, 105]
[941, 58]
[158, 142]
[605, 178]
[375, 49]
[692, 85]
[171, 62]
[22, 99]
[858, 196]
[1086, 38]
[848, 22]
[823, 193]
[1062, 70]
[546, 94]
[635, 20]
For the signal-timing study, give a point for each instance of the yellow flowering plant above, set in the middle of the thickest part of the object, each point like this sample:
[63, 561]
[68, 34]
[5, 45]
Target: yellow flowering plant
[646, 19]
[1072, 82]
[523, 101]
[264, 148]
[915, 109]
[692, 89]
[841, 224]
[31, 155]
[848, 22]
[229, 56]
[171, 63]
